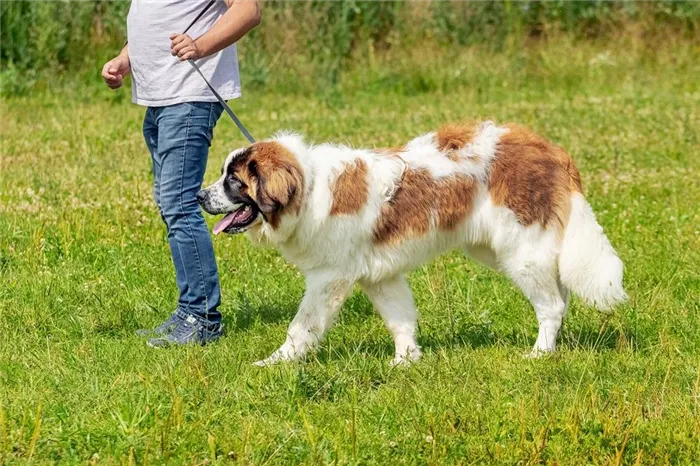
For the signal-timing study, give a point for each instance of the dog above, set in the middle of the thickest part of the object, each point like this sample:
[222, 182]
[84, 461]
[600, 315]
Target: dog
[507, 197]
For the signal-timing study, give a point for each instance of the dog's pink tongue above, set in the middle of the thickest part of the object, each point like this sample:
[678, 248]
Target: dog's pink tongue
[224, 222]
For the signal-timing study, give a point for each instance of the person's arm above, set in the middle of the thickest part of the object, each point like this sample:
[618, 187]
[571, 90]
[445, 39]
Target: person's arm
[114, 71]
[241, 17]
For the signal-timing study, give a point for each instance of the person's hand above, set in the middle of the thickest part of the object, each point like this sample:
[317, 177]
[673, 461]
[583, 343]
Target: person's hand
[114, 71]
[184, 47]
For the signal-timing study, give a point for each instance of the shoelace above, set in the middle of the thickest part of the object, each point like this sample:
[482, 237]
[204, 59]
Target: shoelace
[183, 329]
[174, 319]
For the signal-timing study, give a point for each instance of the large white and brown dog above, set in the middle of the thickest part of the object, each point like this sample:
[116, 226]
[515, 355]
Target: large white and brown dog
[507, 197]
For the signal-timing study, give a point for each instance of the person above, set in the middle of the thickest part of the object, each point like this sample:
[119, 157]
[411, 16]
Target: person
[178, 128]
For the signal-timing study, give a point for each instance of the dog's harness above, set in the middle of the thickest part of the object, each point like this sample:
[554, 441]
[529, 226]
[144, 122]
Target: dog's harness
[233, 116]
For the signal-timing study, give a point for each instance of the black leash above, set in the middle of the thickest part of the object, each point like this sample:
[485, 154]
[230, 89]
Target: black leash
[201, 13]
[233, 116]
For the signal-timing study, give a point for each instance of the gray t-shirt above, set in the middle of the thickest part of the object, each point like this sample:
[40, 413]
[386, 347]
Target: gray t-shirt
[160, 79]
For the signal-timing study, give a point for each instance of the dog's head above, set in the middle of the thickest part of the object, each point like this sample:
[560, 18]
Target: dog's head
[260, 184]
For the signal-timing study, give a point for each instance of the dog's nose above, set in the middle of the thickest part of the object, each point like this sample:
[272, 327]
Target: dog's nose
[202, 196]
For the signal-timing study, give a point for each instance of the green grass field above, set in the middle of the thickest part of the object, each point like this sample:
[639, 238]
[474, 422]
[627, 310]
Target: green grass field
[85, 263]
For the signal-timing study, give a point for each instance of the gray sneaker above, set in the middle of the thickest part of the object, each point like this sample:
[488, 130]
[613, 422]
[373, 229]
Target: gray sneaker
[164, 328]
[188, 331]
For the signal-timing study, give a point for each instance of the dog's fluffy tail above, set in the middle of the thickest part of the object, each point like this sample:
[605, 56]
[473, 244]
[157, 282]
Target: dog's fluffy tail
[588, 264]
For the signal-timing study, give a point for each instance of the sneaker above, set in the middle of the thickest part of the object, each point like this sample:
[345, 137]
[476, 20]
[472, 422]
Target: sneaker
[164, 328]
[190, 330]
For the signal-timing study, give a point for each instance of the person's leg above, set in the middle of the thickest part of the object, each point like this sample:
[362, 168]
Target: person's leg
[185, 132]
[150, 134]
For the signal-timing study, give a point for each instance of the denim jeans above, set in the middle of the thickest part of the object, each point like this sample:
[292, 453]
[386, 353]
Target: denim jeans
[178, 137]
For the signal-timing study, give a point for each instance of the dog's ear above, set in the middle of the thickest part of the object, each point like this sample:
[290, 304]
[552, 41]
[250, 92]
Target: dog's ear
[277, 180]
[278, 184]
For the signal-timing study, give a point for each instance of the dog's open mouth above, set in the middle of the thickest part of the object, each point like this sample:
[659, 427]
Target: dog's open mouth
[237, 221]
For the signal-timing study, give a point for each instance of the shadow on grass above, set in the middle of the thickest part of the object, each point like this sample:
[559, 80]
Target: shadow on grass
[244, 313]
[473, 335]
[478, 335]
[602, 338]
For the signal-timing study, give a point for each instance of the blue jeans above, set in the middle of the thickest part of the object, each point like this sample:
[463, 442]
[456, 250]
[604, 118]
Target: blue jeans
[178, 137]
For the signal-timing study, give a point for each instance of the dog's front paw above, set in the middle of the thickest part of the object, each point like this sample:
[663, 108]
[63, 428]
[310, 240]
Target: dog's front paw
[538, 353]
[270, 361]
[279, 356]
[265, 362]
[404, 359]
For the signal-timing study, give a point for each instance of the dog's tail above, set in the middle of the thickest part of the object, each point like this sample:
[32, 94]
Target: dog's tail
[588, 264]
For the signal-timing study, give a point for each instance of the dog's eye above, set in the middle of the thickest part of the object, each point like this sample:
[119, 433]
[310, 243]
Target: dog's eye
[232, 180]
[253, 168]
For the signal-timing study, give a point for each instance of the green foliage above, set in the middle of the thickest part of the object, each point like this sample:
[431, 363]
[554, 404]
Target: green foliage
[17, 81]
[53, 35]
[321, 40]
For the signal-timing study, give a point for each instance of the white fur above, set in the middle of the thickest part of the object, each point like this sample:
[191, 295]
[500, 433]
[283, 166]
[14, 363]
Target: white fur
[588, 264]
[334, 252]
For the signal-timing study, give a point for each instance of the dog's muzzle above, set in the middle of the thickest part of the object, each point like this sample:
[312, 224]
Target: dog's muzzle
[237, 220]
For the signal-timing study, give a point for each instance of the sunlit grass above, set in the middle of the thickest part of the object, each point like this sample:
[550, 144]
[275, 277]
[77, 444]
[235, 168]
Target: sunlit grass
[85, 263]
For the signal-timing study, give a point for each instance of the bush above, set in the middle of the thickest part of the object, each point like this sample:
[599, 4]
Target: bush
[319, 39]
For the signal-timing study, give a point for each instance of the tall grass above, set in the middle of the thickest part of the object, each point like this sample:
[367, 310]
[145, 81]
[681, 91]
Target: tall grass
[324, 38]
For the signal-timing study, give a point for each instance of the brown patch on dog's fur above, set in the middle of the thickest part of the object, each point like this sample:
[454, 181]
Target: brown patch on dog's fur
[420, 198]
[451, 138]
[274, 179]
[533, 178]
[350, 189]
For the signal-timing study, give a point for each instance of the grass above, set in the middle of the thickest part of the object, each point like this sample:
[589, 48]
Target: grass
[85, 263]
